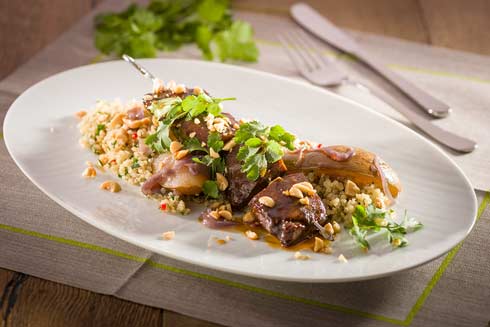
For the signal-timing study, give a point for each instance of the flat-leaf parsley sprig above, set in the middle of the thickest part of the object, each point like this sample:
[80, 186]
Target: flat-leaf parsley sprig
[371, 219]
[261, 145]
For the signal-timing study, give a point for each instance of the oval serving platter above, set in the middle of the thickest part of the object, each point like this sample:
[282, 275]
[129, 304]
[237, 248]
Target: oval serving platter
[41, 134]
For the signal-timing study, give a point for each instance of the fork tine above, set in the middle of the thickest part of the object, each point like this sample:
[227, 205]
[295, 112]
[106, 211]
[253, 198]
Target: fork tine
[297, 61]
[300, 51]
[312, 48]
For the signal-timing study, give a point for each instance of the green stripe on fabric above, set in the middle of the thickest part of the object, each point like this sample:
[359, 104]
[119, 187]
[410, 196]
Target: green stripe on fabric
[442, 268]
[97, 58]
[177, 270]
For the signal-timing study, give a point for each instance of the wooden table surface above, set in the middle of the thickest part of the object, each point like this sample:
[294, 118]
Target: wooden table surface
[30, 301]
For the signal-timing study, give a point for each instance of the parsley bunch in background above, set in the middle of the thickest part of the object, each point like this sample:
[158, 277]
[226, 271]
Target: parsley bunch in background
[166, 25]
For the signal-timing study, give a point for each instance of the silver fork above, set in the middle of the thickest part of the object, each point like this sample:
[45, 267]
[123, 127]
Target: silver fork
[320, 71]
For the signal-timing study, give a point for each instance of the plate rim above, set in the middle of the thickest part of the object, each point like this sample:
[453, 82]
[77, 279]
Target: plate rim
[259, 73]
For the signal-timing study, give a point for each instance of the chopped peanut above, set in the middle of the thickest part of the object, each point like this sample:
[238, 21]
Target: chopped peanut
[137, 123]
[225, 214]
[336, 227]
[229, 145]
[80, 114]
[252, 235]
[342, 259]
[295, 192]
[213, 154]
[175, 146]
[89, 172]
[181, 154]
[329, 228]
[117, 120]
[110, 186]
[168, 235]
[300, 256]
[305, 187]
[319, 245]
[222, 182]
[267, 201]
[180, 88]
[304, 201]
[351, 188]
[248, 217]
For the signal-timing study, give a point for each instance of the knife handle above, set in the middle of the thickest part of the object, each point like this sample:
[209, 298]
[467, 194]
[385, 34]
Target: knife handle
[427, 102]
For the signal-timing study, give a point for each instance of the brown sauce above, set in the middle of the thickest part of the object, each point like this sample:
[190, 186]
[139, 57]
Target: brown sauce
[270, 239]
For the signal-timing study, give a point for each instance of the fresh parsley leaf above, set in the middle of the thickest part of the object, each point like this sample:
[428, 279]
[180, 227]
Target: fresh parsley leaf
[210, 189]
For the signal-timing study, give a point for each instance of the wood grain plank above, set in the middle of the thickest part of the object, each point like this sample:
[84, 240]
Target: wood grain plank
[174, 319]
[458, 24]
[5, 285]
[44, 303]
[27, 26]
[396, 18]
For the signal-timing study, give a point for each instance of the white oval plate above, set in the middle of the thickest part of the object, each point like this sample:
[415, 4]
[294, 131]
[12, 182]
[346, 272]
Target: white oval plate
[42, 137]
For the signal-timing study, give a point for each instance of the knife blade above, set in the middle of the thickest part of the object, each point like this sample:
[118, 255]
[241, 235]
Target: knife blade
[311, 20]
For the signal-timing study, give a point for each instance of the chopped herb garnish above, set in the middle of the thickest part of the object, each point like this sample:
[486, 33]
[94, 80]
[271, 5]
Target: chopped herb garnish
[135, 163]
[169, 111]
[166, 25]
[261, 145]
[217, 165]
[365, 220]
[100, 127]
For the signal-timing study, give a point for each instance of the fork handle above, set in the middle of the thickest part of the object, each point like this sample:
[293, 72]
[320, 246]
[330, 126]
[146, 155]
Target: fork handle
[451, 140]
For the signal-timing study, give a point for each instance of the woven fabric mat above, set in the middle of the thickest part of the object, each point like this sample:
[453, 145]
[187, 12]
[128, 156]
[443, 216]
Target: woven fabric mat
[40, 238]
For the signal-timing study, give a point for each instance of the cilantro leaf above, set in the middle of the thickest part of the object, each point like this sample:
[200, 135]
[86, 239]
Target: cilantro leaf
[210, 189]
[193, 144]
[215, 142]
[260, 146]
[170, 110]
[372, 219]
